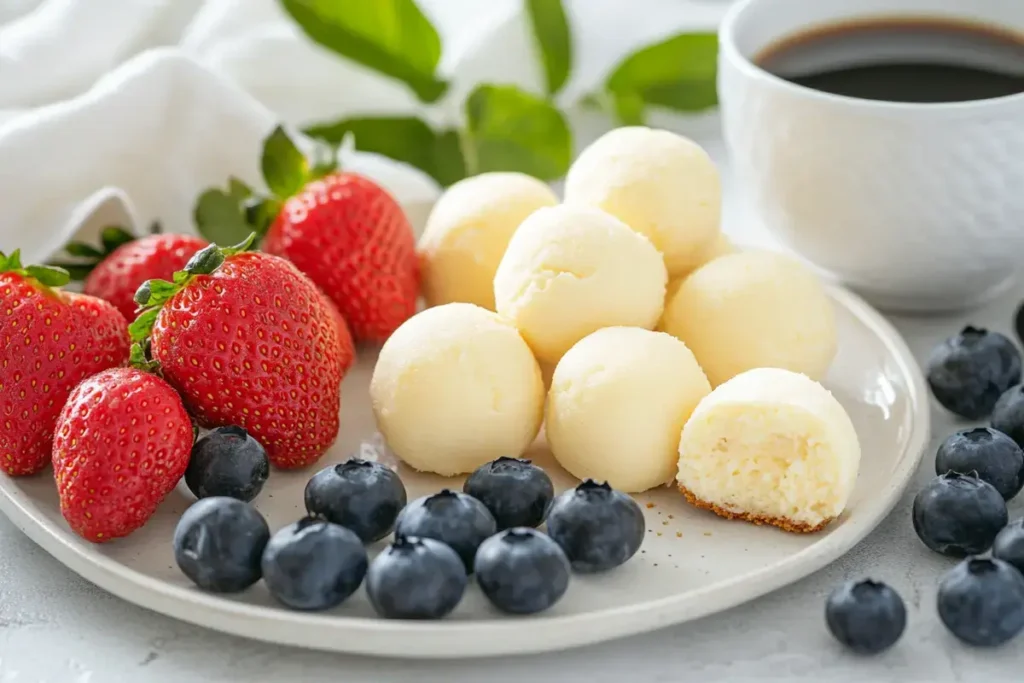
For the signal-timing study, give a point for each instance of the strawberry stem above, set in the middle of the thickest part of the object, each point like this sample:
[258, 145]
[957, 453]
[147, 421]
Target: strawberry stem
[45, 276]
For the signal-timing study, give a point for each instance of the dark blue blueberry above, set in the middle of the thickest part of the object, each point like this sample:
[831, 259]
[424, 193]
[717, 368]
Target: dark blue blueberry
[982, 602]
[313, 564]
[990, 454]
[457, 520]
[227, 462]
[1009, 544]
[416, 578]
[959, 514]
[218, 544]
[363, 496]
[598, 527]
[866, 616]
[969, 371]
[522, 571]
[1008, 415]
[516, 491]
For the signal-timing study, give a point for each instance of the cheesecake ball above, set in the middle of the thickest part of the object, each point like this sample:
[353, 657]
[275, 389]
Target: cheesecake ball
[571, 270]
[661, 184]
[617, 404]
[772, 447]
[467, 233]
[720, 246]
[455, 387]
[753, 309]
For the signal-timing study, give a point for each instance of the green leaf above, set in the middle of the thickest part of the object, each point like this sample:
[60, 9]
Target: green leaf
[285, 167]
[390, 36]
[244, 245]
[51, 276]
[77, 271]
[551, 29]
[138, 359]
[14, 260]
[406, 139]
[511, 130]
[220, 218]
[238, 190]
[260, 213]
[155, 292]
[205, 261]
[113, 237]
[143, 324]
[83, 250]
[678, 73]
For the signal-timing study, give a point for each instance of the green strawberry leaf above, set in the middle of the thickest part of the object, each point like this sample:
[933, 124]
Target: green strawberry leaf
[113, 237]
[138, 359]
[512, 130]
[204, 261]
[238, 190]
[83, 250]
[244, 245]
[554, 40]
[142, 326]
[76, 271]
[154, 292]
[219, 216]
[393, 37]
[51, 276]
[260, 213]
[285, 167]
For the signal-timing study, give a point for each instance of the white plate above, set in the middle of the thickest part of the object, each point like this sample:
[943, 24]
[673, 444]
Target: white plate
[691, 564]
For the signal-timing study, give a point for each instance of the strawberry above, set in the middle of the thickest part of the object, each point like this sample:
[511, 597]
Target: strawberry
[341, 229]
[49, 341]
[122, 443]
[115, 272]
[348, 350]
[248, 340]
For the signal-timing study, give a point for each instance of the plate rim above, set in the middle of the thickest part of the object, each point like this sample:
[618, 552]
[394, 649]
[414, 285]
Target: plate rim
[490, 637]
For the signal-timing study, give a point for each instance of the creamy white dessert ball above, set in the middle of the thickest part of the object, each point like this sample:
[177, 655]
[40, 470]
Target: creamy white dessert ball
[772, 447]
[571, 270]
[750, 310]
[720, 246]
[455, 387]
[618, 401]
[660, 184]
[467, 233]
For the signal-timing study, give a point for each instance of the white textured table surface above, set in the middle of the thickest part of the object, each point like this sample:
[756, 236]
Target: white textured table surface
[56, 627]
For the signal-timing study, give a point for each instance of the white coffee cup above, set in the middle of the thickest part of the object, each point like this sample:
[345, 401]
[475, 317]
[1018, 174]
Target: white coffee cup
[916, 206]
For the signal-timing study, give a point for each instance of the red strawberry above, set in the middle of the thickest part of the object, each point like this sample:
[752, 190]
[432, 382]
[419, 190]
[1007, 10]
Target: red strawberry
[49, 342]
[348, 349]
[248, 340]
[123, 441]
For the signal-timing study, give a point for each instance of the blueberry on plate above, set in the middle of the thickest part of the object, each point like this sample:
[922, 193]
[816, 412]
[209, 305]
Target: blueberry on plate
[866, 616]
[416, 578]
[982, 601]
[522, 571]
[1008, 415]
[456, 519]
[313, 564]
[969, 371]
[227, 462]
[1009, 544]
[363, 496]
[991, 455]
[598, 527]
[218, 544]
[959, 514]
[516, 491]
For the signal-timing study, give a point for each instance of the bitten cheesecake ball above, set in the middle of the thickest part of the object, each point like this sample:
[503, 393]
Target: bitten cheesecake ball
[454, 387]
[772, 447]
[618, 401]
[660, 184]
[751, 310]
[467, 233]
[571, 270]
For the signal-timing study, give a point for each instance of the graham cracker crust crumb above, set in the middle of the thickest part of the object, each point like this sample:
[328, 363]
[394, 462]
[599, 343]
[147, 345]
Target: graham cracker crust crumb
[783, 523]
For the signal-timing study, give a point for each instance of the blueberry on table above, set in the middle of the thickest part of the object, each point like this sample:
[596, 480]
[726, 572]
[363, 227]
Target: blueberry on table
[516, 491]
[1008, 415]
[227, 461]
[363, 496]
[991, 455]
[313, 564]
[866, 616]
[416, 578]
[522, 571]
[218, 544]
[456, 519]
[959, 514]
[982, 601]
[1009, 544]
[598, 527]
[969, 371]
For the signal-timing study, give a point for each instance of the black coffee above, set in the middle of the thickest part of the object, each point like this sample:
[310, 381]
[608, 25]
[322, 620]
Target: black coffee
[905, 60]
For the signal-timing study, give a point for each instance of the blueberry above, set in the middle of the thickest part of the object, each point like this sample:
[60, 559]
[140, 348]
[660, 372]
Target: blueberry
[992, 455]
[866, 616]
[416, 578]
[227, 462]
[522, 571]
[313, 564]
[1009, 544]
[1008, 415]
[969, 371]
[959, 514]
[363, 496]
[982, 601]
[453, 518]
[218, 544]
[516, 491]
[598, 527]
